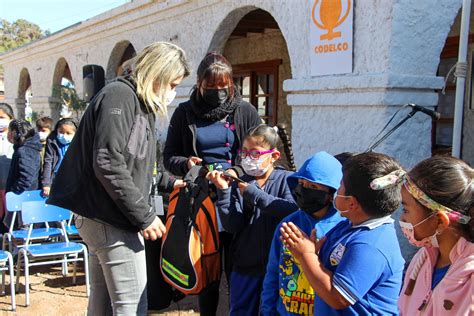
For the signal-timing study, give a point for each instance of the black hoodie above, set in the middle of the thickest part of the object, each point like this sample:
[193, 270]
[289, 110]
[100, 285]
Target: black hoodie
[25, 166]
[107, 170]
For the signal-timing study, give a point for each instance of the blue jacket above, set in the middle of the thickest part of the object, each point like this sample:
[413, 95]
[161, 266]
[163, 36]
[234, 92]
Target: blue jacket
[52, 157]
[253, 218]
[25, 166]
[286, 291]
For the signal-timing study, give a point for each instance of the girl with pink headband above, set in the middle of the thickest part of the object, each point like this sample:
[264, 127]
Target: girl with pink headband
[438, 207]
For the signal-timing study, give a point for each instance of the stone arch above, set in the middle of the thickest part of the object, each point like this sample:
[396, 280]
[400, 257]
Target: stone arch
[122, 51]
[24, 83]
[61, 71]
[245, 36]
[416, 46]
[252, 40]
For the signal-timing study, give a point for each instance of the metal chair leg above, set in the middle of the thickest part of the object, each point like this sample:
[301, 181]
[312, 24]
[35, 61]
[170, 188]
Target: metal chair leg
[64, 266]
[27, 278]
[3, 283]
[74, 268]
[12, 284]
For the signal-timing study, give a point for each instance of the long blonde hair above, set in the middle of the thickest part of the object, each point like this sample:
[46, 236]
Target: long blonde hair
[156, 66]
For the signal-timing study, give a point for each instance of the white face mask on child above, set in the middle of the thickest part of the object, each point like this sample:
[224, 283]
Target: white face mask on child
[4, 124]
[408, 230]
[43, 136]
[253, 167]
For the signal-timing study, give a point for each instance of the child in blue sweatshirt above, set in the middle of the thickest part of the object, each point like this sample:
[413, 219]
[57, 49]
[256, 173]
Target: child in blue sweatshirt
[286, 290]
[251, 211]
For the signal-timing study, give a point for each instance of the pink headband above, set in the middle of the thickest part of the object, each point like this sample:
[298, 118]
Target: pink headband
[428, 202]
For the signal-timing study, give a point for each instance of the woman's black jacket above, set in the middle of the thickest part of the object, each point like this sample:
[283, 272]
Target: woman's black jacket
[181, 138]
[107, 170]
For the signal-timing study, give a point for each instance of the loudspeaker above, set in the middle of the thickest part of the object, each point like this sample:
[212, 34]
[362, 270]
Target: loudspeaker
[94, 79]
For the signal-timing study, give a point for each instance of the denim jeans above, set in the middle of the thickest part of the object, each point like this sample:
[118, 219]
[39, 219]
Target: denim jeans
[117, 269]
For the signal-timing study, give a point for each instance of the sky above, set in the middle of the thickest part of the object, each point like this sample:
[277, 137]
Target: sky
[55, 14]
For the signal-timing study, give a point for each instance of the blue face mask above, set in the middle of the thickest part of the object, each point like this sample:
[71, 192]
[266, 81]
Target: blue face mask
[64, 139]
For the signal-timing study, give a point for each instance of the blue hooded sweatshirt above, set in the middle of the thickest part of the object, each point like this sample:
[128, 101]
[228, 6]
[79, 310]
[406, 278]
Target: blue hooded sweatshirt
[286, 291]
[252, 218]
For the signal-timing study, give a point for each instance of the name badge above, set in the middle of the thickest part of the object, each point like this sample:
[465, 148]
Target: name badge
[336, 254]
[158, 205]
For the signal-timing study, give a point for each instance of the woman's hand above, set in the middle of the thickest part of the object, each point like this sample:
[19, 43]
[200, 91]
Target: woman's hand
[155, 230]
[219, 180]
[298, 242]
[192, 161]
[178, 183]
[46, 191]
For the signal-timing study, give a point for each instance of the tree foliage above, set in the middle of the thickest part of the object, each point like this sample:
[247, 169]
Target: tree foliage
[18, 33]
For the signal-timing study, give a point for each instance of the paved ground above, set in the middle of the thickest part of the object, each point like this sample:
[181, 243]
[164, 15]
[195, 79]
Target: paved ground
[52, 294]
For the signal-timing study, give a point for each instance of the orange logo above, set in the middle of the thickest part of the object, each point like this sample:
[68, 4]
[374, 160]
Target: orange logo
[329, 16]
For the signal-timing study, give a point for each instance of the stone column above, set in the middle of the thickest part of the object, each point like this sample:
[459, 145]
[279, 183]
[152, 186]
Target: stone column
[46, 106]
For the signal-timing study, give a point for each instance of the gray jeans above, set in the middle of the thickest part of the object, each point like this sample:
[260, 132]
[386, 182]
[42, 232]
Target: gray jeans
[117, 269]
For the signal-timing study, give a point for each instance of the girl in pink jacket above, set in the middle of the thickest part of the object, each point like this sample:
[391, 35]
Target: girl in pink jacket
[438, 200]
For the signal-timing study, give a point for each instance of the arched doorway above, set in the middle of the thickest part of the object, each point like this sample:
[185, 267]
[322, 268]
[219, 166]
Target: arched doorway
[64, 90]
[122, 52]
[252, 41]
[24, 92]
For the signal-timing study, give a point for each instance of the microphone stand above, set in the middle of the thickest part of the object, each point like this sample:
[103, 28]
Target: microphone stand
[393, 129]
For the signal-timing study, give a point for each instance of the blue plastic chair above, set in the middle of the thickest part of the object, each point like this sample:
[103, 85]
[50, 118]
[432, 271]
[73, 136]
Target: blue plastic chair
[52, 252]
[6, 261]
[71, 229]
[14, 205]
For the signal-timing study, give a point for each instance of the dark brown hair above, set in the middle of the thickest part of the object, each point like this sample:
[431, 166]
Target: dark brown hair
[215, 69]
[22, 131]
[5, 107]
[359, 170]
[44, 122]
[273, 137]
[448, 181]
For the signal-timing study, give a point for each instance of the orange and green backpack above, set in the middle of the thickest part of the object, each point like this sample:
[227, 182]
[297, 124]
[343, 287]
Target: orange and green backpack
[190, 257]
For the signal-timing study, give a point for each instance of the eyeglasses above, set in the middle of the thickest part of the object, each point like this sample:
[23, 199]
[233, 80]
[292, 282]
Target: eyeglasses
[253, 154]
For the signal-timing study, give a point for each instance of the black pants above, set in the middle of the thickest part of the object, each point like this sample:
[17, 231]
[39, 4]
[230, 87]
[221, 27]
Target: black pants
[209, 297]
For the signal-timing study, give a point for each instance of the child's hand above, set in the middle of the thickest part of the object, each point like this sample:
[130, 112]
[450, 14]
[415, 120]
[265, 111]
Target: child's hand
[219, 180]
[46, 191]
[242, 187]
[296, 240]
[178, 183]
[317, 242]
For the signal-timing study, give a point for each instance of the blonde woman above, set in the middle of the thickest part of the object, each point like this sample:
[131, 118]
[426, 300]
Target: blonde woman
[106, 174]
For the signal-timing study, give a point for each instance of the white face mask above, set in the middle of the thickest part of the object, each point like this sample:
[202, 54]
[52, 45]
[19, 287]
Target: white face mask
[253, 167]
[334, 203]
[4, 123]
[408, 230]
[169, 97]
[43, 136]
[65, 139]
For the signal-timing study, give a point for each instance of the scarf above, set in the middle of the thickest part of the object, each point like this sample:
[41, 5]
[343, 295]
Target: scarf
[213, 112]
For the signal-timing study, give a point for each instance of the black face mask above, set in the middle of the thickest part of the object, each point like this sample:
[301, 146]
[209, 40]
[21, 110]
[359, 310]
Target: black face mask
[215, 97]
[311, 200]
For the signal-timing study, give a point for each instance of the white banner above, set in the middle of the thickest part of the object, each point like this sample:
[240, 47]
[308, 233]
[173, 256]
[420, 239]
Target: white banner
[330, 36]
